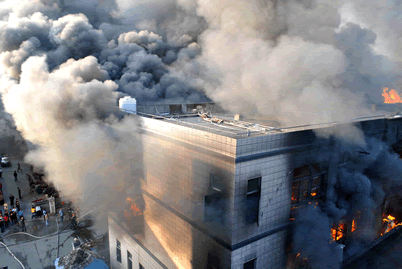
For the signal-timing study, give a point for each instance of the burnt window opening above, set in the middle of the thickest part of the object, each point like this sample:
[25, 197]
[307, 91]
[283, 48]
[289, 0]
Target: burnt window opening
[213, 202]
[129, 260]
[250, 264]
[118, 251]
[308, 184]
[339, 231]
[175, 109]
[213, 208]
[213, 261]
[253, 200]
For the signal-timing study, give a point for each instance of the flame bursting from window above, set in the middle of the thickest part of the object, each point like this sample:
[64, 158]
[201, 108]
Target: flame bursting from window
[391, 96]
[392, 223]
[134, 209]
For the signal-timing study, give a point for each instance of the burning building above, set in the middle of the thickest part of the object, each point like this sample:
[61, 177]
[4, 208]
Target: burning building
[225, 192]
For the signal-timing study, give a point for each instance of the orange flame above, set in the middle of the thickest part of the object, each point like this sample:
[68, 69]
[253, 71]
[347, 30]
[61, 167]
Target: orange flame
[338, 232]
[391, 97]
[391, 224]
[353, 226]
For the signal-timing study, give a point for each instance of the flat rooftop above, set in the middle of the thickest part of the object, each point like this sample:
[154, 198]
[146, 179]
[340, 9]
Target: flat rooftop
[250, 126]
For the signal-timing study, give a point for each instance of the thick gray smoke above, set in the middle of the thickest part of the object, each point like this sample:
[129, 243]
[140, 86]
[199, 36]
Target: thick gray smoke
[63, 64]
[369, 174]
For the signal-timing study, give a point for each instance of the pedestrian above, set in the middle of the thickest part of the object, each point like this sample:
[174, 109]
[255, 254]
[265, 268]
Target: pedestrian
[22, 224]
[44, 213]
[47, 220]
[11, 200]
[1, 198]
[61, 213]
[38, 210]
[19, 167]
[6, 219]
[20, 213]
[19, 193]
[15, 176]
[1, 224]
[5, 207]
[1, 173]
[17, 204]
[33, 211]
[73, 222]
[1, 186]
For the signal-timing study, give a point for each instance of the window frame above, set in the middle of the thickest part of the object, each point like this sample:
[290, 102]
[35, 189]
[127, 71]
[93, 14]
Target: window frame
[129, 260]
[118, 250]
[252, 260]
[251, 194]
[310, 178]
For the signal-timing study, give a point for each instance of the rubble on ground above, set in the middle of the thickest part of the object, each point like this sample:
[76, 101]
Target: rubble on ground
[78, 259]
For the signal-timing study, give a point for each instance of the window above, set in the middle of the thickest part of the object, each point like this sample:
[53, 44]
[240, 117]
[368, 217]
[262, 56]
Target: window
[307, 184]
[213, 261]
[213, 202]
[141, 267]
[250, 264]
[213, 208]
[253, 200]
[129, 260]
[118, 251]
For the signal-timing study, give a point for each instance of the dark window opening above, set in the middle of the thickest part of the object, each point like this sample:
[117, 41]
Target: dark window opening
[253, 200]
[307, 184]
[213, 261]
[213, 207]
[250, 264]
[129, 260]
[175, 109]
[141, 267]
[118, 251]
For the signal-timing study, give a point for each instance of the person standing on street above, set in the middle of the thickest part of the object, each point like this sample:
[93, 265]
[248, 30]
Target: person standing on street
[19, 167]
[47, 220]
[61, 213]
[22, 224]
[19, 193]
[6, 219]
[17, 204]
[33, 211]
[1, 224]
[20, 213]
[44, 213]
[1, 173]
[73, 222]
[11, 200]
[15, 176]
[5, 207]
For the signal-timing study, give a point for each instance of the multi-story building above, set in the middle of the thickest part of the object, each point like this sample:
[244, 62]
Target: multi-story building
[219, 192]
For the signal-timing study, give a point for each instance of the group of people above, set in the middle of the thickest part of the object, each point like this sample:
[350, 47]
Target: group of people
[11, 217]
[37, 212]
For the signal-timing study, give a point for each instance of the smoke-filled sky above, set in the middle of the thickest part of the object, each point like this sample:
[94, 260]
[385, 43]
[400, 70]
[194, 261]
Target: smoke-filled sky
[64, 64]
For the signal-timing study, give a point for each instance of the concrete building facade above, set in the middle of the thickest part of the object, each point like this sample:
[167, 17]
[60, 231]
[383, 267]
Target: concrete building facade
[222, 196]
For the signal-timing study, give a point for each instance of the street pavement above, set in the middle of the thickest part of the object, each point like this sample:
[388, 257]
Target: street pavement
[45, 245]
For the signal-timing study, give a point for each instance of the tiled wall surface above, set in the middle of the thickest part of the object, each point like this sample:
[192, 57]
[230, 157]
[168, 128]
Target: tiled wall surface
[180, 177]
[139, 255]
[269, 252]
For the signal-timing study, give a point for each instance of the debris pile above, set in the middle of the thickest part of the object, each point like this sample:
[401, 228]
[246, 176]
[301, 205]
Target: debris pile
[78, 258]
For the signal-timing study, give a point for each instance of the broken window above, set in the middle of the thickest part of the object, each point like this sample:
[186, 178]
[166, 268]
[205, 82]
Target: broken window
[213, 207]
[338, 230]
[213, 261]
[129, 260]
[250, 264]
[118, 251]
[253, 200]
[213, 203]
[307, 184]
